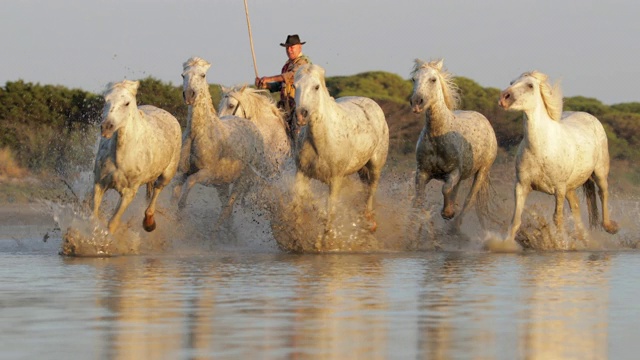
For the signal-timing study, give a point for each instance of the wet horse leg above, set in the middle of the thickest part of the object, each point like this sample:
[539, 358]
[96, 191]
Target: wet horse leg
[558, 219]
[370, 177]
[195, 178]
[149, 223]
[98, 193]
[421, 180]
[449, 193]
[227, 201]
[334, 189]
[520, 193]
[574, 205]
[126, 195]
[609, 225]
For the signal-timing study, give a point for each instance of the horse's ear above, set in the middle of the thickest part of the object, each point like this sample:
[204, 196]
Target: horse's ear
[243, 87]
[224, 88]
[438, 64]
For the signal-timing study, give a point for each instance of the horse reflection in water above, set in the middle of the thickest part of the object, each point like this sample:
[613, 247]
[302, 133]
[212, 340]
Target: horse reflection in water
[338, 138]
[227, 153]
[261, 109]
[139, 145]
[560, 152]
[453, 145]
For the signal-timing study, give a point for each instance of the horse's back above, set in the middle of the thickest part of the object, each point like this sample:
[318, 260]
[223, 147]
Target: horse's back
[365, 112]
[164, 120]
[248, 142]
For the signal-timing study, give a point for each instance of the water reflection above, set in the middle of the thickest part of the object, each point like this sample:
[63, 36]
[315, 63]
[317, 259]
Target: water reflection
[437, 305]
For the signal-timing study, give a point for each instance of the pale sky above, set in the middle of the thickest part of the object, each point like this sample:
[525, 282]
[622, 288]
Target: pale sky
[591, 46]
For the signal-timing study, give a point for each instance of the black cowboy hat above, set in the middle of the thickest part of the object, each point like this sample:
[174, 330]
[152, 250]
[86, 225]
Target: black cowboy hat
[292, 40]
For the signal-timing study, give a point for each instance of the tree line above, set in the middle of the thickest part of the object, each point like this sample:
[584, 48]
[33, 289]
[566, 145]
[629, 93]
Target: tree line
[51, 128]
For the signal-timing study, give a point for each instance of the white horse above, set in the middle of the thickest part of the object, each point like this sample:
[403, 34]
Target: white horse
[227, 153]
[453, 145]
[560, 151]
[338, 138]
[139, 145]
[260, 108]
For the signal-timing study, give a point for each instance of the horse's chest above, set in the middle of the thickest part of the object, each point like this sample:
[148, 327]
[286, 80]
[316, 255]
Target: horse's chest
[436, 158]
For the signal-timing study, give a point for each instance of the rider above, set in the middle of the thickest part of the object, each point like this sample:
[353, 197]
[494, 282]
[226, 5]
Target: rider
[283, 82]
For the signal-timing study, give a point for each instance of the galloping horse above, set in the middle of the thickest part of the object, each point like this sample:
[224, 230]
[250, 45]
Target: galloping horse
[226, 153]
[453, 145]
[260, 108]
[338, 138]
[139, 145]
[560, 151]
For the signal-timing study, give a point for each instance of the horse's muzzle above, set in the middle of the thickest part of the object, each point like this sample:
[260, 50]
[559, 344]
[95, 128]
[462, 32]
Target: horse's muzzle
[301, 116]
[506, 99]
[416, 105]
[189, 97]
[106, 129]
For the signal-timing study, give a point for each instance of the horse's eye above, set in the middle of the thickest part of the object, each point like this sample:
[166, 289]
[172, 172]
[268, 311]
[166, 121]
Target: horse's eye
[530, 86]
[230, 106]
[182, 75]
[317, 87]
[127, 104]
[433, 80]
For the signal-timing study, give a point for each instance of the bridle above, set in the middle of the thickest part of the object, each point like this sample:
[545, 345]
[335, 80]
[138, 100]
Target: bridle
[235, 110]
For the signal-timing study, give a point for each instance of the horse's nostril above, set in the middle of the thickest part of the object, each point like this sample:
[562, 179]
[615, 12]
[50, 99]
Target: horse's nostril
[420, 101]
[506, 96]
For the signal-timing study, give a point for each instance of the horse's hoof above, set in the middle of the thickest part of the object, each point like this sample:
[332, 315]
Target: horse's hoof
[611, 227]
[447, 215]
[374, 226]
[149, 224]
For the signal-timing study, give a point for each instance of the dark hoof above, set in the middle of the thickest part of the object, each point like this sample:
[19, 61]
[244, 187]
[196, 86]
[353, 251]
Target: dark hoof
[447, 215]
[149, 224]
[611, 227]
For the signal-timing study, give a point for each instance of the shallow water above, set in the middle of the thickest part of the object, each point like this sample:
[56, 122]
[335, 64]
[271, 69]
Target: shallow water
[238, 295]
[236, 302]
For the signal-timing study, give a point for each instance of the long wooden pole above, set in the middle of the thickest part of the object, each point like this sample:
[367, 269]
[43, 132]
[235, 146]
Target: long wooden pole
[253, 53]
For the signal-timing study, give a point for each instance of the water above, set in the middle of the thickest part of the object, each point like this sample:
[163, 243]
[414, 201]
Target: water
[200, 296]
[243, 303]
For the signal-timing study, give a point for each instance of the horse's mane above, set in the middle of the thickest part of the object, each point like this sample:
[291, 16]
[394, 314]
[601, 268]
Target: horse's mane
[313, 70]
[256, 99]
[195, 61]
[551, 94]
[450, 90]
[130, 85]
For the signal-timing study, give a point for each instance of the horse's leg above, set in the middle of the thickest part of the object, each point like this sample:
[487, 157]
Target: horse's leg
[609, 225]
[558, 219]
[149, 223]
[195, 178]
[334, 189]
[574, 205]
[98, 193]
[370, 177]
[227, 201]
[301, 188]
[449, 192]
[421, 181]
[126, 195]
[520, 193]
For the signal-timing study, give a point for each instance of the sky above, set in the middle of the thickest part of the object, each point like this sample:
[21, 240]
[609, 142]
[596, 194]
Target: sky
[591, 47]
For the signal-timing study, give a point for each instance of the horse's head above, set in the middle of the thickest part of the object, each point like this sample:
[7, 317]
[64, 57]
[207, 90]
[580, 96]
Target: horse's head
[310, 91]
[431, 85]
[194, 77]
[119, 106]
[231, 102]
[530, 90]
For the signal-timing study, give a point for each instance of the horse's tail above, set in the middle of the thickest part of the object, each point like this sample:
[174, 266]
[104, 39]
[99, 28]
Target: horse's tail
[589, 188]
